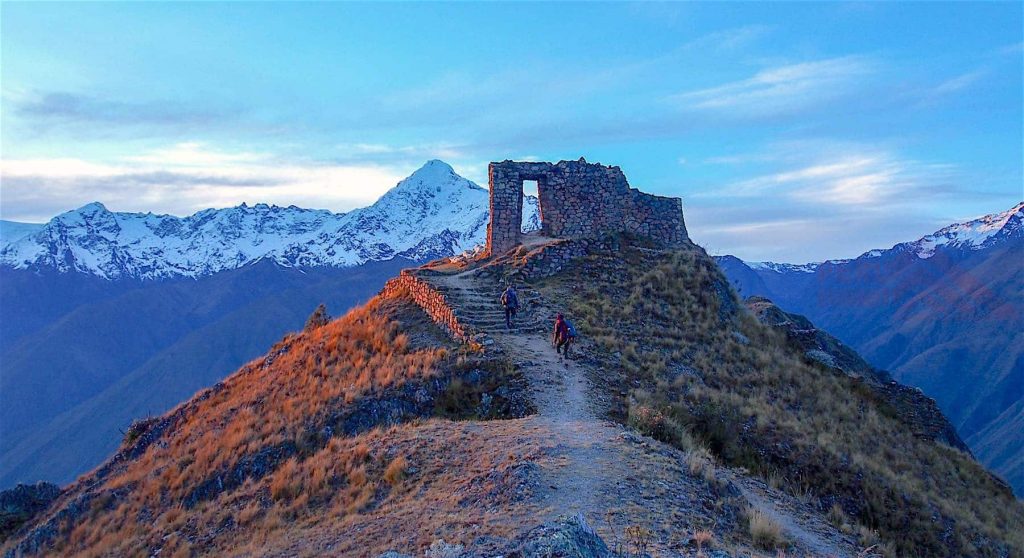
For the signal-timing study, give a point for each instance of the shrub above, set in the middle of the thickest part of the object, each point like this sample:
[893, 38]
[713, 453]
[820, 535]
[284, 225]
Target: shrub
[764, 530]
[395, 471]
[136, 429]
[319, 318]
[703, 538]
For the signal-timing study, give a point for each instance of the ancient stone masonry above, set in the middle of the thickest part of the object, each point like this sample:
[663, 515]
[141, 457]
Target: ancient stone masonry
[577, 200]
[431, 300]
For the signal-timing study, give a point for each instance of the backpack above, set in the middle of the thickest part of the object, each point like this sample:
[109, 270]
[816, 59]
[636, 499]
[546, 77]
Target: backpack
[571, 328]
[509, 298]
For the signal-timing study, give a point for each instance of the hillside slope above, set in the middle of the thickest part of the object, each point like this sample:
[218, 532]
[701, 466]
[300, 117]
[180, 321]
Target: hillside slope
[108, 316]
[944, 313]
[681, 422]
[142, 348]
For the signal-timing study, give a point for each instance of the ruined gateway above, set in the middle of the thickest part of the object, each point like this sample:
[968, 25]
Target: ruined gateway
[577, 200]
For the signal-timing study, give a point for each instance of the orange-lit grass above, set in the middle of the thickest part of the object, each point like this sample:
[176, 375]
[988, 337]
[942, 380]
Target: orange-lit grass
[268, 403]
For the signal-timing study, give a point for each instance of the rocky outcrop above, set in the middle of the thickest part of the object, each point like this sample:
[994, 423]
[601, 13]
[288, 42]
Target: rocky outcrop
[21, 503]
[577, 200]
[571, 537]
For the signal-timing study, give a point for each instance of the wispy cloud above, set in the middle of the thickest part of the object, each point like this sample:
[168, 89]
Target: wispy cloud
[66, 108]
[187, 177]
[764, 231]
[959, 82]
[782, 89]
[389, 153]
[729, 39]
[826, 199]
[837, 175]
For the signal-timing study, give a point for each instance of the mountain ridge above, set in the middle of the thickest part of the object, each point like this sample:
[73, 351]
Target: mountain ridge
[974, 234]
[942, 313]
[432, 213]
[74, 342]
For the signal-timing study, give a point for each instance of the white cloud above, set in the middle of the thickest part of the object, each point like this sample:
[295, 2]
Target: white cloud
[959, 82]
[187, 177]
[836, 175]
[782, 88]
[382, 151]
[195, 154]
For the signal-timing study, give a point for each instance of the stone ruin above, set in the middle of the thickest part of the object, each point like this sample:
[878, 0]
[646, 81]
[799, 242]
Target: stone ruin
[577, 200]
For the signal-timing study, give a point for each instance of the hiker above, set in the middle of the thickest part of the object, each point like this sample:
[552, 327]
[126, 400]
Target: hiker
[510, 300]
[563, 335]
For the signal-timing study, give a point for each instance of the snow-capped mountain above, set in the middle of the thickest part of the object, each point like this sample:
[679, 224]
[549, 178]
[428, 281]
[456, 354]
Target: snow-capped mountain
[784, 267]
[432, 213]
[983, 232]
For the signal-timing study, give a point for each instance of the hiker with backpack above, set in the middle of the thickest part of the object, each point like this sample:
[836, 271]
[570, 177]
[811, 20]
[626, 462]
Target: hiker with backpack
[563, 336]
[510, 300]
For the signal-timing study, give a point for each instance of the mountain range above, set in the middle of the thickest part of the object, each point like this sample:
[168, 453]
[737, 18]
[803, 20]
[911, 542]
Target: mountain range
[434, 212]
[944, 313]
[419, 424]
[111, 316]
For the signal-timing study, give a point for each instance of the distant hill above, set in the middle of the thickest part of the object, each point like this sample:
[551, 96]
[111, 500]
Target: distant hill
[944, 313]
[71, 387]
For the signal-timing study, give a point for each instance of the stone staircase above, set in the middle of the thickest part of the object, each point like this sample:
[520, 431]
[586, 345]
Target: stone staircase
[477, 305]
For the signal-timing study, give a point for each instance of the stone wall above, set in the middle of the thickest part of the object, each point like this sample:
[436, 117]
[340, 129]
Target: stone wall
[577, 200]
[431, 300]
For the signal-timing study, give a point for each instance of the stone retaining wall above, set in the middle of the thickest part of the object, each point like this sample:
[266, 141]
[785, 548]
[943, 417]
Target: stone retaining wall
[431, 300]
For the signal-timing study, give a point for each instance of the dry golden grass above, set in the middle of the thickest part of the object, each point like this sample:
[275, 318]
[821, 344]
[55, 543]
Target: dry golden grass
[253, 452]
[764, 531]
[396, 471]
[658, 321]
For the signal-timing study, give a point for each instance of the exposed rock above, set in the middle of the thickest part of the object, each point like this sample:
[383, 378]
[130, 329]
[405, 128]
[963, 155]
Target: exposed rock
[21, 503]
[441, 549]
[568, 538]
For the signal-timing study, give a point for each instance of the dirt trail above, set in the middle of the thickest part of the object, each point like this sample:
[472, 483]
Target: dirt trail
[614, 477]
[559, 389]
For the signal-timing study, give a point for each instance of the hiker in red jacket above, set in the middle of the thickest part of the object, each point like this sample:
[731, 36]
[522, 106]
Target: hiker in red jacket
[560, 337]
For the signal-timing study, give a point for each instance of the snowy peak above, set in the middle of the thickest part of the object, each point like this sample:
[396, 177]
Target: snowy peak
[976, 234]
[432, 213]
[784, 267]
[436, 171]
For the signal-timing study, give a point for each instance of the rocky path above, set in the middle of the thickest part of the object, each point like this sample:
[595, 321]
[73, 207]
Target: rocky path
[615, 478]
[559, 389]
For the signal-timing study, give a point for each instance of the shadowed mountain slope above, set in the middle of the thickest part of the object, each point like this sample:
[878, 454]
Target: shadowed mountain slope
[944, 313]
[142, 348]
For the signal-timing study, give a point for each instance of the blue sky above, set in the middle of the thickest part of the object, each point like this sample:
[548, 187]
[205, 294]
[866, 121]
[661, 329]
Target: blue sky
[793, 132]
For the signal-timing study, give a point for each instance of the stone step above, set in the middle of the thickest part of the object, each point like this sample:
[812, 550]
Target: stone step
[489, 321]
[502, 329]
[498, 318]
